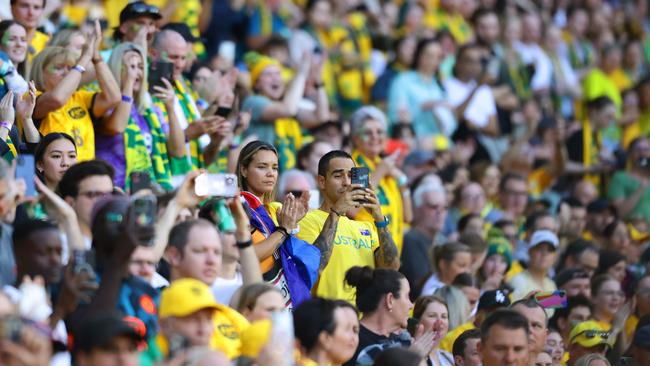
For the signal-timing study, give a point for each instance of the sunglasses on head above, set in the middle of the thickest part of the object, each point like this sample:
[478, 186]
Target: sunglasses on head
[593, 333]
[142, 8]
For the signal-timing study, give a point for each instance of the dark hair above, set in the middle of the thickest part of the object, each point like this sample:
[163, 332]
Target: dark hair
[464, 221]
[609, 230]
[530, 303]
[419, 49]
[372, 284]
[480, 13]
[509, 176]
[598, 281]
[447, 252]
[39, 152]
[607, 260]
[572, 202]
[4, 27]
[599, 103]
[503, 223]
[69, 184]
[398, 356]
[474, 241]
[25, 228]
[423, 302]
[179, 234]
[249, 295]
[461, 52]
[246, 156]
[531, 220]
[572, 303]
[13, 2]
[574, 250]
[458, 349]
[304, 153]
[314, 316]
[506, 318]
[466, 280]
[324, 162]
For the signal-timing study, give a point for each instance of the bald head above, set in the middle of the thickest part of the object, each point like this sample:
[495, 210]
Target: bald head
[169, 45]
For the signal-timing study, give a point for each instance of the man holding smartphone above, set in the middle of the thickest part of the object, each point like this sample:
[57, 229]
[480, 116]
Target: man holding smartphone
[358, 243]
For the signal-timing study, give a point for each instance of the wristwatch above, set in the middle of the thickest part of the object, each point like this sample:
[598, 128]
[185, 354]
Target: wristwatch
[382, 224]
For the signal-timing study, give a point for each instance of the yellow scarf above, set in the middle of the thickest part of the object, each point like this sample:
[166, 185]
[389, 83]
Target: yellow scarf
[589, 154]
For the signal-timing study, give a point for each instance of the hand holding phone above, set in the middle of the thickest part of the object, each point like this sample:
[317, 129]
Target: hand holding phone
[25, 171]
[157, 71]
[216, 185]
[142, 218]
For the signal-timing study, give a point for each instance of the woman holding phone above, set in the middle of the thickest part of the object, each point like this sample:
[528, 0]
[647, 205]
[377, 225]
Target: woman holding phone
[276, 224]
[148, 143]
[369, 141]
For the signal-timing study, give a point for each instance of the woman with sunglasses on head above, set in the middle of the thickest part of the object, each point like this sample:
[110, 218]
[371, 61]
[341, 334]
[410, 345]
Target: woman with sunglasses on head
[275, 225]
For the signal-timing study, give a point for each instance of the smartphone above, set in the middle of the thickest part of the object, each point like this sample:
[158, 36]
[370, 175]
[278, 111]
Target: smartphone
[157, 71]
[626, 361]
[551, 300]
[25, 170]
[139, 181]
[83, 261]
[223, 112]
[144, 210]
[361, 176]
[216, 185]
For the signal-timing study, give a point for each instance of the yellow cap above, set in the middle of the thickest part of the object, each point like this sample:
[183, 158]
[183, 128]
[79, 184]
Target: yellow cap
[637, 235]
[256, 64]
[255, 337]
[589, 334]
[184, 297]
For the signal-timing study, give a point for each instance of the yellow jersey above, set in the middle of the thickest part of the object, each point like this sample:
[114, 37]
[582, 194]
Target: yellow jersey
[74, 118]
[354, 244]
[447, 343]
[39, 41]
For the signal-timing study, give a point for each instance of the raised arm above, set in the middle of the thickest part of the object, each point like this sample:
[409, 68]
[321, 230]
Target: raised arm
[109, 96]
[176, 137]
[386, 256]
[288, 107]
[116, 123]
[24, 110]
[250, 266]
[311, 119]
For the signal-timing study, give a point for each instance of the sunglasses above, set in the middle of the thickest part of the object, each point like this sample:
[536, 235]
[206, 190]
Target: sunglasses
[142, 8]
[592, 333]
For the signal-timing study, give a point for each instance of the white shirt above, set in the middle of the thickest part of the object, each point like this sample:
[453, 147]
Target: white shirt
[534, 54]
[432, 284]
[482, 106]
[223, 289]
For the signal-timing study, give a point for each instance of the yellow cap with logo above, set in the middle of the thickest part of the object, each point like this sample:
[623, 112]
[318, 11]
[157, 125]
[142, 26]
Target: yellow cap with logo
[184, 297]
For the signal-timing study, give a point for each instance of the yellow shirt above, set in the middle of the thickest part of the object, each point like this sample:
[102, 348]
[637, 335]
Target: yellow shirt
[354, 244]
[630, 326]
[228, 326]
[74, 119]
[390, 199]
[38, 43]
[447, 343]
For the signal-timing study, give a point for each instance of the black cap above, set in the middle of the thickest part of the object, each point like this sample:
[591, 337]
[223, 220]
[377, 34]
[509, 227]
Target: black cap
[139, 9]
[599, 205]
[99, 330]
[570, 274]
[492, 300]
[183, 30]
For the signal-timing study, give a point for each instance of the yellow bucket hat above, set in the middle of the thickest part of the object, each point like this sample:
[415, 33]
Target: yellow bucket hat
[256, 64]
[184, 297]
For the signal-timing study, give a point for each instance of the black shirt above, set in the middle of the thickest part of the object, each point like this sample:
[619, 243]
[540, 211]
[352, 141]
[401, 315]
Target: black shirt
[371, 345]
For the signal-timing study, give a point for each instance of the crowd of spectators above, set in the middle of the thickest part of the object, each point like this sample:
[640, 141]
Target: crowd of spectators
[182, 182]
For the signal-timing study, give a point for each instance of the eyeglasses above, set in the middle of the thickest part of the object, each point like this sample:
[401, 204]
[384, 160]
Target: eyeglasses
[94, 194]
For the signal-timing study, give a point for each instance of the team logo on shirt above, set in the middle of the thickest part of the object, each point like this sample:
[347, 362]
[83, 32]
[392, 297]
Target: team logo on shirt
[77, 112]
[364, 232]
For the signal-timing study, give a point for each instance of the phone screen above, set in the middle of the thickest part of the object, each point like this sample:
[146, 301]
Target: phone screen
[159, 70]
[25, 170]
[216, 185]
[361, 176]
[139, 181]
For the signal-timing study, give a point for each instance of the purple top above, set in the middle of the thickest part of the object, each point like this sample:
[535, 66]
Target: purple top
[111, 148]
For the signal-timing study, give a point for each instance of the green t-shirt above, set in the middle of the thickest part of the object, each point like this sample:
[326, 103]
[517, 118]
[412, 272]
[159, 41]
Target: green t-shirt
[624, 185]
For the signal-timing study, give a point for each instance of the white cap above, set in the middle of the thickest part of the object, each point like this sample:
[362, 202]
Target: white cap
[544, 236]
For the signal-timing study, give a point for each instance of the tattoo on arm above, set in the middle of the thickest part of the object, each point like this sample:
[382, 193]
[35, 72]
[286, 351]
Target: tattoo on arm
[386, 255]
[325, 240]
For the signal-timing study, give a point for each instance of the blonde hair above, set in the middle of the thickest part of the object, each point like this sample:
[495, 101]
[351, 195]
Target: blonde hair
[116, 64]
[62, 38]
[457, 305]
[45, 58]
